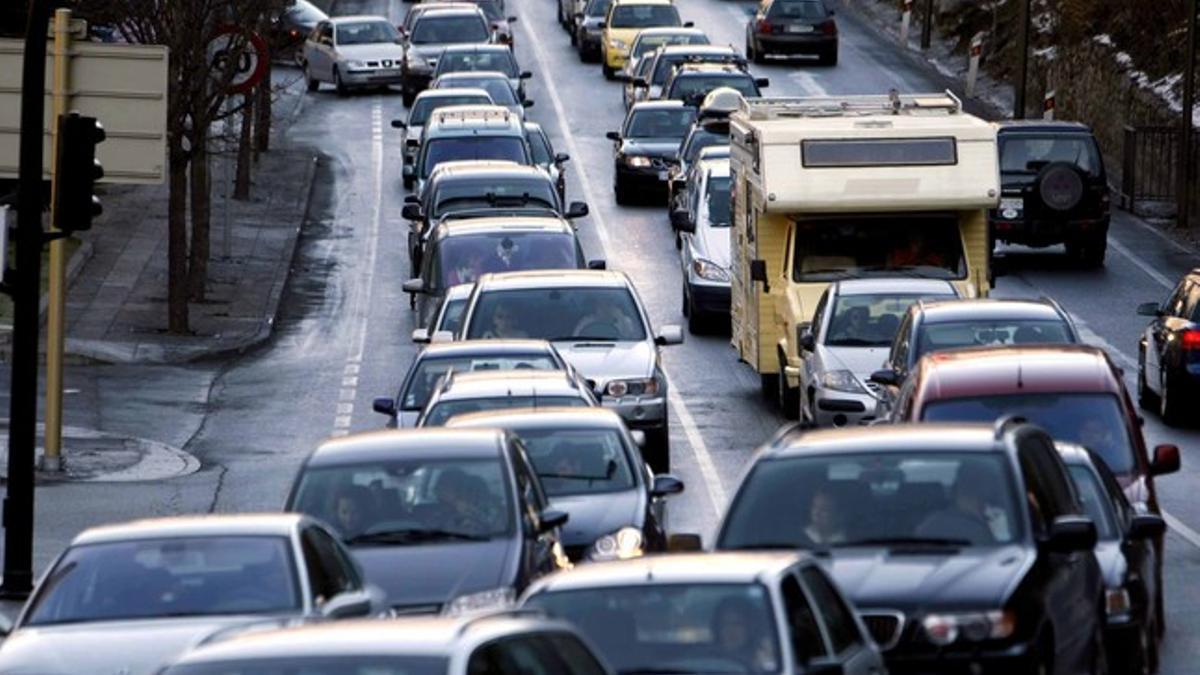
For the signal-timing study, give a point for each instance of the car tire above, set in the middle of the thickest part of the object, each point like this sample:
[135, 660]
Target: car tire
[1089, 252]
[1140, 661]
[609, 73]
[621, 191]
[1146, 398]
[1099, 653]
[786, 396]
[312, 83]
[407, 97]
[750, 51]
[829, 57]
[697, 322]
[657, 452]
[1170, 407]
[342, 90]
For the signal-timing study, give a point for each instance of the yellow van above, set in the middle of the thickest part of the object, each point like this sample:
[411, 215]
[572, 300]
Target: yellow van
[627, 18]
[850, 187]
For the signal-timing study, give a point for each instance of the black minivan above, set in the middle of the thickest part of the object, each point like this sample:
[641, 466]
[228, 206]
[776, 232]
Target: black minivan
[965, 548]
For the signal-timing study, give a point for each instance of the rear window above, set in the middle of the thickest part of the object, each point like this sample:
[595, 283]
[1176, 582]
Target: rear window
[441, 150]
[365, 32]
[499, 60]
[978, 333]
[649, 43]
[797, 9]
[449, 30]
[644, 16]
[666, 123]
[879, 152]
[1028, 153]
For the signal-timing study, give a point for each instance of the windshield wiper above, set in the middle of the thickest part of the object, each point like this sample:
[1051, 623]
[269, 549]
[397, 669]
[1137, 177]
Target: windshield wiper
[940, 542]
[583, 338]
[854, 342]
[671, 671]
[838, 273]
[411, 535]
[920, 271]
[572, 476]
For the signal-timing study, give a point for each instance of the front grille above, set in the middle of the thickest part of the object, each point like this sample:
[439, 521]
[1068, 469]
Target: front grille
[884, 626]
[576, 553]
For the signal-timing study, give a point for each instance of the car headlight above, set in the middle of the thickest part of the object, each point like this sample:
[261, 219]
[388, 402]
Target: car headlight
[353, 64]
[1117, 601]
[707, 269]
[620, 545]
[943, 629]
[619, 45]
[636, 161]
[619, 388]
[842, 380]
[495, 598]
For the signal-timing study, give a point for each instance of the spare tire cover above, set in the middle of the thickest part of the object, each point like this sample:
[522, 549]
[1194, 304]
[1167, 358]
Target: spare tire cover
[1060, 186]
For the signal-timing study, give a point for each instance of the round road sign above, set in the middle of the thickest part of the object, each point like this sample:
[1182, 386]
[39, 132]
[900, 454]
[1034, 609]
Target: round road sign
[243, 52]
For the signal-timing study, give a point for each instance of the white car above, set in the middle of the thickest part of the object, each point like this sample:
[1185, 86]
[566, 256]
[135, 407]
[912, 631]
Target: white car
[353, 51]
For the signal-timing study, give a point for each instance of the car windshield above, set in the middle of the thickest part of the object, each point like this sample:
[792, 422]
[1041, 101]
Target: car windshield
[429, 371]
[498, 60]
[669, 123]
[674, 628]
[437, 414]
[578, 461]
[409, 501]
[667, 62]
[451, 149]
[424, 107]
[320, 665]
[719, 214]
[957, 334]
[797, 9]
[450, 319]
[497, 87]
[597, 8]
[457, 195]
[699, 139]
[861, 246]
[1094, 421]
[1028, 153]
[169, 577]
[539, 145]
[304, 13]
[644, 16]
[869, 320]
[449, 30]
[694, 88]
[868, 499]
[365, 32]
[460, 260]
[596, 314]
[648, 43]
[1095, 501]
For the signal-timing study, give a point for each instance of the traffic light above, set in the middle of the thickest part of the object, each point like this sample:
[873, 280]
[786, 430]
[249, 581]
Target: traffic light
[76, 172]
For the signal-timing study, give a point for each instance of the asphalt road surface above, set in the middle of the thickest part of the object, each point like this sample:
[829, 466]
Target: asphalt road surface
[344, 337]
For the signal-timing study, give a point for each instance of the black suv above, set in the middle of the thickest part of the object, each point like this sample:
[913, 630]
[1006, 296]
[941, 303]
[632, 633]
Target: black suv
[965, 548]
[1055, 190]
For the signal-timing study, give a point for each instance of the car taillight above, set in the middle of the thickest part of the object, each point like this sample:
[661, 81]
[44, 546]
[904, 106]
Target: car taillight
[1189, 340]
[764, 26]
[829, 28]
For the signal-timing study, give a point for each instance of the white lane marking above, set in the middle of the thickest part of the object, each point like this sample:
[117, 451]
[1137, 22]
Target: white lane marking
[1160, 234]
[1188, 534]
[808, 83]
[1141, 264]
[715, 489]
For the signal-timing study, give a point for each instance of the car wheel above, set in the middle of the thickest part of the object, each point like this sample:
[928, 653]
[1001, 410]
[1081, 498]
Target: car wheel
[407, 97]
[657, 452]
[809, 409]
[750, 51]
[609, 73]
[1147, 399]
[786, 397]
[1140, 660]
[311, 82]
[1170, 408]
[1099, 654]
[767, 383]
[1090, 252]
[339, 85]
[830, 57]
[621, 191]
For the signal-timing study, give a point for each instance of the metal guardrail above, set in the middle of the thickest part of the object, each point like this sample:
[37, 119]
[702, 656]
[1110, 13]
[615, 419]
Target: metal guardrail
[1150, 165]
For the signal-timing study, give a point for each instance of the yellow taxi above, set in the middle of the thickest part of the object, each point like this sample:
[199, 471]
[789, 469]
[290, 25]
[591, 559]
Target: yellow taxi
[627, 18]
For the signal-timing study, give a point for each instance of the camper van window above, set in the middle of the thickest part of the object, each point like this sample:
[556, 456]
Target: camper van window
[865, 246]
[879, 152]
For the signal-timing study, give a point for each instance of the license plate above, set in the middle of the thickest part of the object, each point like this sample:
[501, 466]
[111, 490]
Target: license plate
[800, 28]
[1011, 207]
[662, 175]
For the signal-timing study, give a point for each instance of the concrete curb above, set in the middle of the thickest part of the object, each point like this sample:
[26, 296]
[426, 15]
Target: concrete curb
[155, 461]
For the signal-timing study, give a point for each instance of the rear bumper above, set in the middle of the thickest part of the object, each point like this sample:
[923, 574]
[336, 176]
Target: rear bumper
[642, 177]
[709, 298]
[1045, 231]
[800, 43]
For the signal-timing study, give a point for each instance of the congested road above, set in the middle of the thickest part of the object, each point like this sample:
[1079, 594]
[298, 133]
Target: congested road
[343, 338]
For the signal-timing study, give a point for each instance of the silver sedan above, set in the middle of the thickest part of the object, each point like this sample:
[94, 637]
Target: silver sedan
[353, 51]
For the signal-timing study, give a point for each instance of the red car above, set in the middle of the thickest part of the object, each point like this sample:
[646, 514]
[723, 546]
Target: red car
[1075, 392]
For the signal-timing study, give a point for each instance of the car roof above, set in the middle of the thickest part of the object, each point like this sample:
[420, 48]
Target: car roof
[407, 443]
[698, 49]
[986, 309]
[355, 18]
[554, 279]
[476, 169]
[476, 47]
[431, 636]
[492, 383]
[448, 9]
[203, 525]
[541, 418]
[643, 2]
[891, 285]
[1043, 125]
[1073, 453]
[656, 105]
[459, 292]
[454, 167]
[473, 74]
[889, 438]
[485, 347]
[1012, 369]
[474, 118]
[714, 153]
[447, 92]
[679, 568]
[669, 30]
[708, 68]
[470, 226]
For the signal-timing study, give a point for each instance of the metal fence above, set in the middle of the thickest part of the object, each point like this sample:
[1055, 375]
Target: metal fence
[1150, 165]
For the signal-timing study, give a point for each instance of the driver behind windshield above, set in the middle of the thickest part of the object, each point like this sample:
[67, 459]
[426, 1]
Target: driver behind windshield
[606, 320]
[972, 515]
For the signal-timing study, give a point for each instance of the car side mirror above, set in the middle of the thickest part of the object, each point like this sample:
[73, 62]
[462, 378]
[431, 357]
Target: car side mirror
[414, 286]
[1149, 309]
[1166, 459]
[576, 210]
[597, 264]
[384, 406]
[1071, 534]
[412, 143]
[639, 436]
[421, 336]
[525, 75]
[762, 82]
[808, 342]
[614, 136]
[562, 158]
[348, 604]
[665, 485]
[6, 626]
[689, 24]
[641, 83]
[887, 377]
[1146, 526]
[408, 171]
[411, 211]
[823, 666]
[550, 520]
[682, 542]
[511, 19]
[621, 76]
[399, 124]
[412, 199]
[669, 335]
[758, 272]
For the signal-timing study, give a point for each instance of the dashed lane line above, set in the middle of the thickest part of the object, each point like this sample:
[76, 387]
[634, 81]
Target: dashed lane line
[1141, 264]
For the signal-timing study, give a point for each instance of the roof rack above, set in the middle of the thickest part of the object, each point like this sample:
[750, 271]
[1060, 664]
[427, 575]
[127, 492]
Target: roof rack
[893, 103]
[485, 113]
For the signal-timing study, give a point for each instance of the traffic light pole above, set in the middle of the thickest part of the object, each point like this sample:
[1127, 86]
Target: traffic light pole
[56, 290]
[24, 287]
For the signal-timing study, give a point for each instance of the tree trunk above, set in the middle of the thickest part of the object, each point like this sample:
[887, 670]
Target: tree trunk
[177, 258]
[241, 188]
[262, 125]
[201, 218]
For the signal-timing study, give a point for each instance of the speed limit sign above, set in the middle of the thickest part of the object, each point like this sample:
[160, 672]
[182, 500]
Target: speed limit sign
[241, 52]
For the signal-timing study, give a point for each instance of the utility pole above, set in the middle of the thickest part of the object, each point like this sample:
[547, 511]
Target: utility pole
[1186, 135]
[24, 287]
[52, 459]
[927, 25]
[1022, 59]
